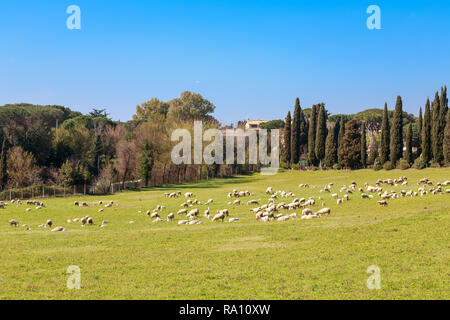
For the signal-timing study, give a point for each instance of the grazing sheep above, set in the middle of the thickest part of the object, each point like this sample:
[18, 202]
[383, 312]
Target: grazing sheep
[382, 203]
[14, 223]
[188, 195]
[193, 213]
[236, 203]
[210, 201]
[231, 220]
[339, 201]
[76, 203]
[283, 218]
[154, 215]
[307, 212]
[252, 202]
[28, 210]
[48, 224]
[183, 211]
[323, 211]
[59, 229]
[311, 216]
[183, 222]
[170, 217]
[219, 216]
[269, 190]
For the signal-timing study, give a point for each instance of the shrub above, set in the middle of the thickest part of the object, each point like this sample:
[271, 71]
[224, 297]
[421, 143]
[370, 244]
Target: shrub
[295, 166]
[284, 165]
[377, 165]
[403, 164]
[419, 164]
[388, 165]
[337, 166]
[435, 164]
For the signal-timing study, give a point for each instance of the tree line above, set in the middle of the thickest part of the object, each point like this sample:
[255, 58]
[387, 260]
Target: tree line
[375, 137]
[54, 145]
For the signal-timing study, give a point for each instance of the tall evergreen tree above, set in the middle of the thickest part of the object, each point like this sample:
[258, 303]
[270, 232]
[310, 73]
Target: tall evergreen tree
[419, 129]
[312, 136]
[442, 121]
[331, 148]
[295, 134]
[286, 155]
[363, 145]
[340, 137]
[385, 136]
[350, 152]
[3, 165]
[303, 133]
[408, 153]
[147, 162]
[447, 140]
[321, 133]
[426, 134]
[396, 145]
[436, 124]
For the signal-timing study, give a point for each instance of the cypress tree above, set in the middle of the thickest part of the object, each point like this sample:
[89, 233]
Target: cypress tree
[385, 136]
[396, 145]
[331, 148]
[295, 134]
[447, 140]
[419, 129]
[442, 121]
[436, 141]
[286, 155]
[426, 134]
[3, 166]
[340, 137]
[303, 133]
[408, 153]
[363, 145]
[312, 136]
[321, 133]
[350, 152]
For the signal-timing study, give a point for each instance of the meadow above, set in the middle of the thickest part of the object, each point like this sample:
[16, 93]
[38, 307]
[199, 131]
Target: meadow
[324, 258]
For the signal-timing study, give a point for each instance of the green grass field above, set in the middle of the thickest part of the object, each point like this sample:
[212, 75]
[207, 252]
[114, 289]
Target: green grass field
[323, 258]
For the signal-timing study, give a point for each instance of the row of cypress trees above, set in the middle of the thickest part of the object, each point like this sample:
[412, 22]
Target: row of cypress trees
[302, 136]
[345, 144]
[432, 136]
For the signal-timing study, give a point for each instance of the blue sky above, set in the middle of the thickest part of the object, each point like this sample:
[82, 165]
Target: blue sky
[250, 58]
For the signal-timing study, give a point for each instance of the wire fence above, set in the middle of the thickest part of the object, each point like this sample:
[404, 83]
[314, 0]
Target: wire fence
[168, 175]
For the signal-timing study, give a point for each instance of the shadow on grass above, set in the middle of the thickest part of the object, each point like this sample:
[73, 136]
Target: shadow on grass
[214, 183]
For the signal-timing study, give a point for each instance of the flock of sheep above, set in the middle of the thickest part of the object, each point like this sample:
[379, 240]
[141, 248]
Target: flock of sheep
[278, 206]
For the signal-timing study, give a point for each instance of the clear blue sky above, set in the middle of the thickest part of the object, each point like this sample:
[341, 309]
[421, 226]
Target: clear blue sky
[250, 58]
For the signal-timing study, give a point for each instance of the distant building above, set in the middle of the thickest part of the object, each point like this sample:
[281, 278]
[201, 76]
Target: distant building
[254, 124]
